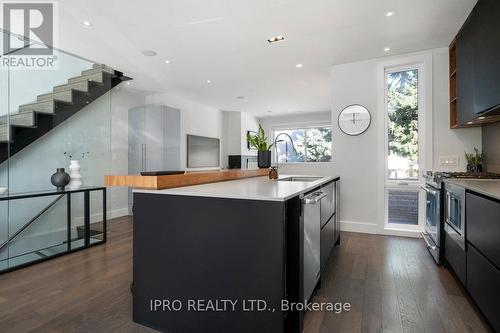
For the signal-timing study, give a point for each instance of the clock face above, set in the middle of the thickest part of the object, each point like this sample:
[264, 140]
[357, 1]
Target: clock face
[354, 119]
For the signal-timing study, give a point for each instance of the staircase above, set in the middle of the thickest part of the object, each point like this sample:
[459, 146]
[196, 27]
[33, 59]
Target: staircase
[49, 110]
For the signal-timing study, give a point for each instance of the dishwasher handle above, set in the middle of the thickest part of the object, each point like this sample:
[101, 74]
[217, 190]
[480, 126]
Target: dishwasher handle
[314, 198]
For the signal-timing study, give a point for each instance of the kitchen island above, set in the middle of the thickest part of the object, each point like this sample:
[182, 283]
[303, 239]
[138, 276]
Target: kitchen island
[227, 256]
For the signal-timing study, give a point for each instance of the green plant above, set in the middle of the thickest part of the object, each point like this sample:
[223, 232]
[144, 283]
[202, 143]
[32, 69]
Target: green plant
[259, 141]
[474, 158]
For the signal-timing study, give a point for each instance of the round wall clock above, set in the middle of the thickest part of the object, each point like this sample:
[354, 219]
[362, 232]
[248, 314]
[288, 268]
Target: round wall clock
[354, 119]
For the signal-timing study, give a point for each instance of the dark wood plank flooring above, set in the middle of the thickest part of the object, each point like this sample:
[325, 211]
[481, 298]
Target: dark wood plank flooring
[391, 283]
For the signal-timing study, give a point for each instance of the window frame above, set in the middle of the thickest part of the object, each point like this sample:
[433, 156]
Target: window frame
[304, 126]
[425, 136]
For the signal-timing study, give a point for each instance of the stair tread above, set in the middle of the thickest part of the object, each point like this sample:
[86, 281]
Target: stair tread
[96, 70]
[23, 119]
[62, 96]
[96, 77]
[46, 107]
[79, 86]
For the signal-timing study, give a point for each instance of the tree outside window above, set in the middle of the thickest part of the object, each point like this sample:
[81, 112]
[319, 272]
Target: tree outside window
[312, 144]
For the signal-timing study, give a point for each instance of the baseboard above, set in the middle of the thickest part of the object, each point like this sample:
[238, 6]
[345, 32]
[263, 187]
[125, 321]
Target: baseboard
[362, 227]
[372, 228]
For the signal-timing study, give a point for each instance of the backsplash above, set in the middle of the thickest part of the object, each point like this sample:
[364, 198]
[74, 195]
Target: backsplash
[491, 147]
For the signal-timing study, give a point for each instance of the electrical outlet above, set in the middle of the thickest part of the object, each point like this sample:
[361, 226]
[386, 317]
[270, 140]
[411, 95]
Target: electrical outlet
[448, 161]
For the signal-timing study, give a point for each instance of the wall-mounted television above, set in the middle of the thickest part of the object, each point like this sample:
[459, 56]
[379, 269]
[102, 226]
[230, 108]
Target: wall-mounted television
[203, 152]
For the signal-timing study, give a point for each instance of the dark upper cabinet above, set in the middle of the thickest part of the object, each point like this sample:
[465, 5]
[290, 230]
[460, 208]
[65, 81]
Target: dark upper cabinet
[466, 70]
[478, 62]
[486, 55]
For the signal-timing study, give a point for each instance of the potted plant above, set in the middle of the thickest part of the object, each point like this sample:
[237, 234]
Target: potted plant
[259, 142]
[474, 161]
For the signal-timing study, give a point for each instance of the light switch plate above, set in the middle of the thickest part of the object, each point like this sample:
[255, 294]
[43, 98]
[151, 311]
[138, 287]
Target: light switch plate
[448, 161]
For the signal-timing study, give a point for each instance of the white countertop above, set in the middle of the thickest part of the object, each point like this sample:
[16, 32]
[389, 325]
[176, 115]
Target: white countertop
[256, 188]
[487, 187]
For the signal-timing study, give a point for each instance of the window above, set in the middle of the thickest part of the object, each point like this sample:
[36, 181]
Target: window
[403, 124]
[402, 108]
[312, 144]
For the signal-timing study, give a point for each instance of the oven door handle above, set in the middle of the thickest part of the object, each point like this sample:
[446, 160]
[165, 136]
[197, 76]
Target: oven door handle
[424, 236]
[426, 189]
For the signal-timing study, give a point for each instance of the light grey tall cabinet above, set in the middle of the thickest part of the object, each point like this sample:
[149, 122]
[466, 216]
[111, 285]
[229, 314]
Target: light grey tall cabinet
[154, 135]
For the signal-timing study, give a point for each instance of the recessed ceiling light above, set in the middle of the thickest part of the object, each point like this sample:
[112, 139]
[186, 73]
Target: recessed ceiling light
[481, 118]
[470, 123]
[167, 61]
[127, 83]
[87, 23]
[276, 39]
[240, 97]
[299, 65]
[149, 53]
[387, 49]
[208, 81]
[389, 14]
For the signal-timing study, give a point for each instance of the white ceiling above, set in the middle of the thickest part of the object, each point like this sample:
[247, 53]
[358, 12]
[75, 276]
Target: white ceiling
[224, 41]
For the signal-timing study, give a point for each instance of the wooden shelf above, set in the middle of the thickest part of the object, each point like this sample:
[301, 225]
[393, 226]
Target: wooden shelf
[180, 180]
[453, 85]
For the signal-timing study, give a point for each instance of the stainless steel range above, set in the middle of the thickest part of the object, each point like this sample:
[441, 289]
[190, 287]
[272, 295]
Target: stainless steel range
[434, 221]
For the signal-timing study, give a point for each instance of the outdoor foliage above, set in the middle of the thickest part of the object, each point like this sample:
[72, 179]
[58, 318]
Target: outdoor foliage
[311, 144]
[403, 114]
[319, 144]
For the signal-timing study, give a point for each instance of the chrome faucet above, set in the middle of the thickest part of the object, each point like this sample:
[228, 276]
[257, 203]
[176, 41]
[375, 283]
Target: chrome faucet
[276, 147]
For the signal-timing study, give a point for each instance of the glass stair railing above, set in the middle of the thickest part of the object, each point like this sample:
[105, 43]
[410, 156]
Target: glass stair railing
[50, 115]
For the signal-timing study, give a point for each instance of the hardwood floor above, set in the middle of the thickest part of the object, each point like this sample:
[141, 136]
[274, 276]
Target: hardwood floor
[391, 283]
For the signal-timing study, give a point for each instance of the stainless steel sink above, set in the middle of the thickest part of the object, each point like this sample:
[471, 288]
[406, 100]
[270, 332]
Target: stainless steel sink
[299, 179]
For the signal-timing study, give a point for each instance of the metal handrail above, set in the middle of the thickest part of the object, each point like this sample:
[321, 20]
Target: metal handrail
[27, 224]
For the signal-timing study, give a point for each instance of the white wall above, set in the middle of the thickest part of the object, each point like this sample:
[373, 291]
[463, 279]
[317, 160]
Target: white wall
[196, 118]
[235, 125]
[248, 123]
[231, 133]
[357, 159]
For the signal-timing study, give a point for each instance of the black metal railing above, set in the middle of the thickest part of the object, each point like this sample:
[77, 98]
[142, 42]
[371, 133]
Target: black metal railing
[67, 245]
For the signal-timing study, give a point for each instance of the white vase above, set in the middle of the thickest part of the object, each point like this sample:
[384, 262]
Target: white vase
[74, 174]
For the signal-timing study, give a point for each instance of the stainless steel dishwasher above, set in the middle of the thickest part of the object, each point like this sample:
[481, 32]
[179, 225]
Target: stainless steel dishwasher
[312, 245]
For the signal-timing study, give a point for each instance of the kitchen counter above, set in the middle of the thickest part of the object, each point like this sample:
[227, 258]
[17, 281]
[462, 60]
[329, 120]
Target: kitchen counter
[240, 240]
[257, 188]
[487, 187]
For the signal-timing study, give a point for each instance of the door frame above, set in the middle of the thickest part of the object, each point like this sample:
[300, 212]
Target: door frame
[422, 62]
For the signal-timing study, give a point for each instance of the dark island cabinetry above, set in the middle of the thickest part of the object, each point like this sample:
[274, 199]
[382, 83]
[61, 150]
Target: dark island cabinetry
[199, 249]
[230, 262]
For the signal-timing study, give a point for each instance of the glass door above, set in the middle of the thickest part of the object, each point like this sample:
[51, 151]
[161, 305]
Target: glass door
[403, 108]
